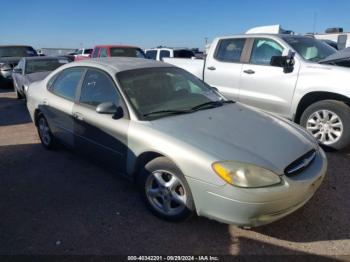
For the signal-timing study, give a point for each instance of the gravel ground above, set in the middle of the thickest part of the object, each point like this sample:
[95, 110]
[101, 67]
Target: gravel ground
[56, 202]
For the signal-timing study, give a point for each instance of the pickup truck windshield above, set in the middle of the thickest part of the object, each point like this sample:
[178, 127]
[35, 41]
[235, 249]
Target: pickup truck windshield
[127, 52]
[17, 51]
[309, 48]
[159, 92]
[42, 65]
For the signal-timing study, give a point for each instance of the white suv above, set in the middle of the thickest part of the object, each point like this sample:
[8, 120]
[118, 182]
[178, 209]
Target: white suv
[164, 52]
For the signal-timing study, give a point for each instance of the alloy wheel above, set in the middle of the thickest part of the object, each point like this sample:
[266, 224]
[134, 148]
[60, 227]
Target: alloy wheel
[166, 193]
[326, 126]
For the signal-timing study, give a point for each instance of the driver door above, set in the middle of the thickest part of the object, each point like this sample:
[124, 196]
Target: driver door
[100, 136]
[264, 86]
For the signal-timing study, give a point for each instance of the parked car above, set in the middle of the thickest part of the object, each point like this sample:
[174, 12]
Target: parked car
[163, 52]
[31, 69]
[82, 54]
[117, 51]
[189, 148]
[9, 57]
[284, 74]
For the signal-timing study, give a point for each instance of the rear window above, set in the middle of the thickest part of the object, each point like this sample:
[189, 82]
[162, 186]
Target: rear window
[17, 51]
[88, 51]
[42, 65]
[183, 53]
[230, 50]
[151, 54]
[126, 52]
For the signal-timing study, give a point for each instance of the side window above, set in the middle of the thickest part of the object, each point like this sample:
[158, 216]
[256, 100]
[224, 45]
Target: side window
[263, 50]
[164, 53]
[98, 88]
[65, 84]
[230, 50]
[103, 52]
[80, 52]
[95, 53]
[151, 54]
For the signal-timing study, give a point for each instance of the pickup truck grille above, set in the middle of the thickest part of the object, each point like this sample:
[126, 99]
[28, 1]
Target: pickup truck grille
[300, 164]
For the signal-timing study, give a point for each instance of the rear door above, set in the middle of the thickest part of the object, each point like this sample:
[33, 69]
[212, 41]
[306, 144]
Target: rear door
[265, 86]
[57, 105]
[223, 67]
[100, 135]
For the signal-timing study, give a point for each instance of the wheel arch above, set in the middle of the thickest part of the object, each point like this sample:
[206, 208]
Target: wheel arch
[313, 97]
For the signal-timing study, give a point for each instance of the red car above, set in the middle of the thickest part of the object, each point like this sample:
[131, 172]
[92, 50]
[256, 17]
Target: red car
[117, 51]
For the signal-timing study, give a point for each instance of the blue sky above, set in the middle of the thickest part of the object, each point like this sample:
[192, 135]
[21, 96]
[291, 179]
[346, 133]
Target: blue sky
[149, 23]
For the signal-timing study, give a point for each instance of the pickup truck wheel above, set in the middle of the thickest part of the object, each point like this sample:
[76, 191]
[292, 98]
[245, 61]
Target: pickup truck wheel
[329, 122]
[165, 191]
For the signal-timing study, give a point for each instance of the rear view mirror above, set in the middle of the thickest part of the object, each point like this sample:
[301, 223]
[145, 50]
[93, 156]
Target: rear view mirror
[287, 62]
[17, 70]
[111, 109]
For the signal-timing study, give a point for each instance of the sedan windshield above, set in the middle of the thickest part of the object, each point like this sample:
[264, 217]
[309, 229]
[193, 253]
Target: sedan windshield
[17, 51]
[159, 92]
[310, 49]
[127, 52]
[41, 65]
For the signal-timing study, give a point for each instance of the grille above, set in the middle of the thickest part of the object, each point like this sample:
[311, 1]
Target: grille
[300, 164]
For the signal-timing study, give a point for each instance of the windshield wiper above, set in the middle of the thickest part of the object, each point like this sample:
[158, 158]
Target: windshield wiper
[210, 104]
[168, 112]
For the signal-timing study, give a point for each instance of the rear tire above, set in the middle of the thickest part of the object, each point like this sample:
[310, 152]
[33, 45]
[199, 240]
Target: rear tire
[329, 122]
[19, 95]
[165, 191]
[45, 134]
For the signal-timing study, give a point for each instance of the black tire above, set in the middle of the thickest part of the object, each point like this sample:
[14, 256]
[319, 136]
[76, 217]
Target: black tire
[146, 174]
[342, 110]
[48, 142]
[19, 95]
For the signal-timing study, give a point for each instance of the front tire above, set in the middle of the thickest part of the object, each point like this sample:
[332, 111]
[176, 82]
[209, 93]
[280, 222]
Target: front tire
[45, 134]
[165, 191]
[329, 122]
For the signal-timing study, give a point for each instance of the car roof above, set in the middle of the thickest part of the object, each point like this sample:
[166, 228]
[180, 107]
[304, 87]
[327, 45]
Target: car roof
[43, 57]
[109, 46]
[119, 64]
[265, 35]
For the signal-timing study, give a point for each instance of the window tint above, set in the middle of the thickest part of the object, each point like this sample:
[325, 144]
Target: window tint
[230, 50]
[151, 54]
[98, 88]
[183, 53]
[95, 53]
[263, 50]
[87, 51]
[103, 52]
[66, 83]
[164, 53]
[127, 52]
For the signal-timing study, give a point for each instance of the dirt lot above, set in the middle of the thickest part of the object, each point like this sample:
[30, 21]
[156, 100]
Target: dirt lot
[60, 203]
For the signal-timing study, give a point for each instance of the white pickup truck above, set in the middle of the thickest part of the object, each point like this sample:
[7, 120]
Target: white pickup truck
[297, 77]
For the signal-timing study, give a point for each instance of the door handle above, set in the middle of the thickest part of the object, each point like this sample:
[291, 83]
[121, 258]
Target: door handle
[211, 68]
[78, 116]
[45, 102]
[249, 72]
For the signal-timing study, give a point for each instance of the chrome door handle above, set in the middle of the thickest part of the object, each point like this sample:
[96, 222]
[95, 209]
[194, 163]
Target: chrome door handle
[78, 116]
[211, 68]
[249, 72]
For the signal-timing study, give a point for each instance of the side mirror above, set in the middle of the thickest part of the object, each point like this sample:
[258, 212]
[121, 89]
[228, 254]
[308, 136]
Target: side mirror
[17, 70]
[287, 62]
[111, 109]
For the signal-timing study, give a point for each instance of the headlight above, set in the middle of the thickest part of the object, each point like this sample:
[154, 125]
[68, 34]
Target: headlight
[245, 175]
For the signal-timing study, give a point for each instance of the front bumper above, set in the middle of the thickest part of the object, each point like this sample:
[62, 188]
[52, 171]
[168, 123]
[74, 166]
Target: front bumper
[258, 206]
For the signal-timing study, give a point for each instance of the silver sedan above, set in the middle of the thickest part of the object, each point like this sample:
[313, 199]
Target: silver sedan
[188, 148]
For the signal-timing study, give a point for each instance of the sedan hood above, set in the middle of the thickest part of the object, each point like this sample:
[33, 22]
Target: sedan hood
[338, 56]
[36, 76]
[237, 132]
